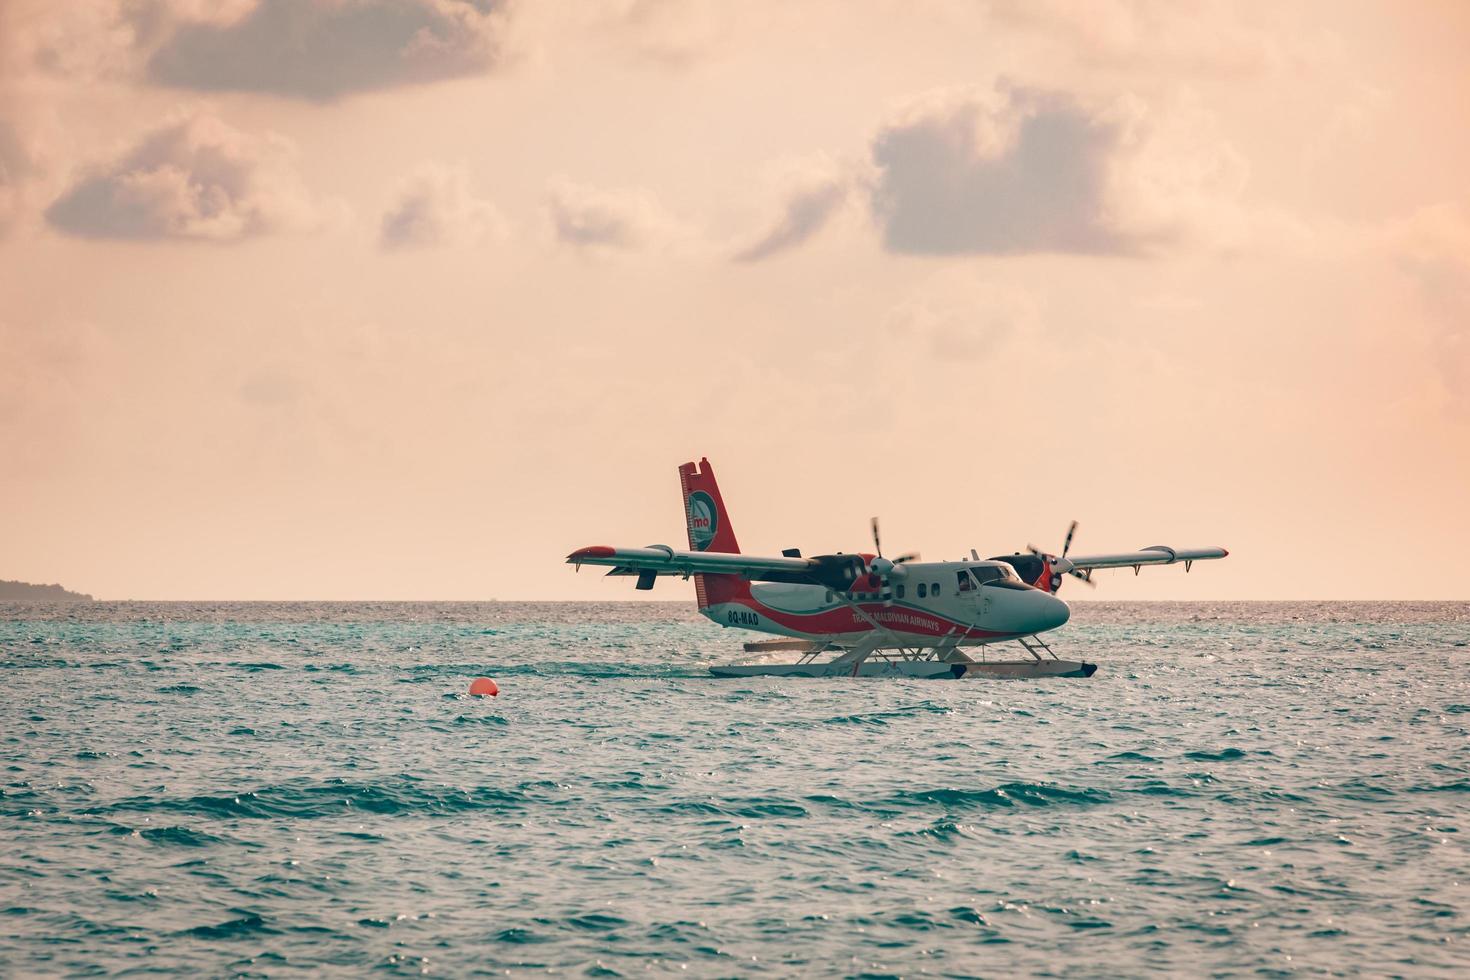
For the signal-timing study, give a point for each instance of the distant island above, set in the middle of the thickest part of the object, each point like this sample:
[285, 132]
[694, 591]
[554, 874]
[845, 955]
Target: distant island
[26, 592]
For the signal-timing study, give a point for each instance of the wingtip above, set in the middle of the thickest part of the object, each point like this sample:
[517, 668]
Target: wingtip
[593, 551]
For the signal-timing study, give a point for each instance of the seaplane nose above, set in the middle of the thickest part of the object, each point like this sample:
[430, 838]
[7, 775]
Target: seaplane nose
[1050, 611]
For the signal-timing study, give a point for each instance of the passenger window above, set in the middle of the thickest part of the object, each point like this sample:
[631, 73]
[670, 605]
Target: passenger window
[829, 596]
[922, 591]
[898, 590]
[934, 589]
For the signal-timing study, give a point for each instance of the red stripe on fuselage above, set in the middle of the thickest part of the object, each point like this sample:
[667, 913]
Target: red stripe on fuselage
[844, 620]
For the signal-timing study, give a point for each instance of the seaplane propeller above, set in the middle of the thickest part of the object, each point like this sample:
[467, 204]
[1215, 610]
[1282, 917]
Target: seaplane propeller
[887, 569]
[857, 573]
[1059, 564]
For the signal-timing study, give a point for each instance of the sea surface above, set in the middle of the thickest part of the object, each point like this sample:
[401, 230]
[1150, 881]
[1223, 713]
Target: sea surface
[266, 789]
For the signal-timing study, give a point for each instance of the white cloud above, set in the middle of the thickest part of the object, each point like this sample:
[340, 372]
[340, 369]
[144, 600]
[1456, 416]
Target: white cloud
[195, 178]
[85, 40]
[434, 206]
[628, 219]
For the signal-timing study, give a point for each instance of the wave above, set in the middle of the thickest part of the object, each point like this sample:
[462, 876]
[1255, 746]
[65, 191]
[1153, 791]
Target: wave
[249, 924]
[309, 799]
[881, 718]
[945, 828]
[747, 809]
[179, 837]
[1004, 796]
[1224, 755]
[495, 721]
[1459, 786]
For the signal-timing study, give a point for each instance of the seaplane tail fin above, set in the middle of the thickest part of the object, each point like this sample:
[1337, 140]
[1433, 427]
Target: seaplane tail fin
[704, 510]
[709, 530]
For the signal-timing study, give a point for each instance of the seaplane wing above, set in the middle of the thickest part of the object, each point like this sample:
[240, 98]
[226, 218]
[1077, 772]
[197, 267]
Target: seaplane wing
[662, 560]
[1154, 555]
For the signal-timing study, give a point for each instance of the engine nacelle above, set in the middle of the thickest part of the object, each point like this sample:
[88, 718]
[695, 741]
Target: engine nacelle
[1034, 570]
[887, 568]
[839, 572]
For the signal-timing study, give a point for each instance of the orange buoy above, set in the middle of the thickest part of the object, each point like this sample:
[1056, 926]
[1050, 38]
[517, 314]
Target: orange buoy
[483, 686]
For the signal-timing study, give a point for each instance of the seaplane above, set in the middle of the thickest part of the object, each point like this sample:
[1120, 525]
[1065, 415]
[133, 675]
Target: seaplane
[868, 615]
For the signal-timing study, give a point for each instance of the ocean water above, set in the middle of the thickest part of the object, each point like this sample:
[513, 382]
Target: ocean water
[267, 789]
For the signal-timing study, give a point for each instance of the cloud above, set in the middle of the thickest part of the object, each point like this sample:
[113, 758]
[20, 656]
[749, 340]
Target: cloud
[434, 206]
[1018, 171]
[807, 210]
[611, 220]
[85, 40]
[323, 49]
[196, 178]
[1008, 172]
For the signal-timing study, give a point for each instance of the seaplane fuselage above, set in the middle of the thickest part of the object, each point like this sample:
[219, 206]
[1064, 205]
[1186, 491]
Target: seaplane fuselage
[970, 602]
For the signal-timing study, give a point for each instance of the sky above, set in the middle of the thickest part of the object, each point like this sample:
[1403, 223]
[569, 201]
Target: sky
[407, 299]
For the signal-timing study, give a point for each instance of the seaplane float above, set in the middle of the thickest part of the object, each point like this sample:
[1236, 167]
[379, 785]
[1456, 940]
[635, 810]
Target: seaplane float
[868, 615]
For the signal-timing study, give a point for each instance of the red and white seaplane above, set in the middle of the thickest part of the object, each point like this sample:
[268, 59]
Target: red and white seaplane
[874, 616]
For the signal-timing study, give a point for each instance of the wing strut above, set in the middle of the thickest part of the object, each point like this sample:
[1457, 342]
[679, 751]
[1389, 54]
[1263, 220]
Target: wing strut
[865, 647]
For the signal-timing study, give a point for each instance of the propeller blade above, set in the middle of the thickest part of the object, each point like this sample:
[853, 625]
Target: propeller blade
[1067, 544]
[877, 544]
[1083, 576]
[911, 556]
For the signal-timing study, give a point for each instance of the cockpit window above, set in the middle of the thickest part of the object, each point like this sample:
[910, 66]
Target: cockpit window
[1000, 572]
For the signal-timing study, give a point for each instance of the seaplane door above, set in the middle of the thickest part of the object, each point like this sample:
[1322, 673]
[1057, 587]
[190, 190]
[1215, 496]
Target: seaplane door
[971, 595]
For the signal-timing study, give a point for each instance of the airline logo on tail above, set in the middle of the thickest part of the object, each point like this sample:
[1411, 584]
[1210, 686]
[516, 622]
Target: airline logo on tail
[704, 520]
